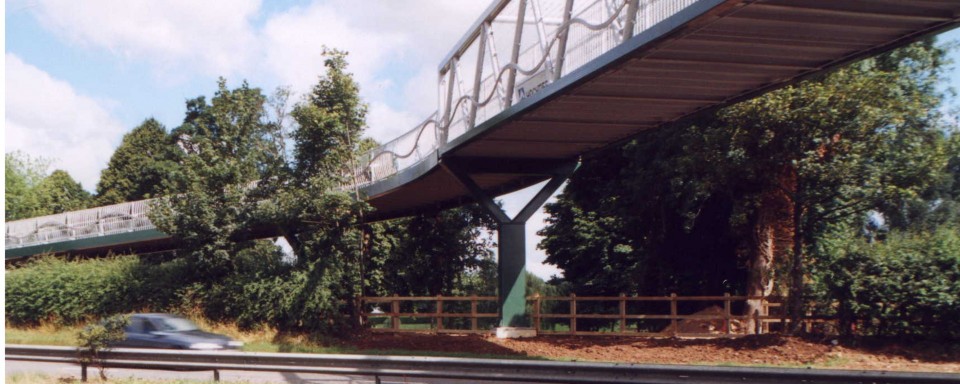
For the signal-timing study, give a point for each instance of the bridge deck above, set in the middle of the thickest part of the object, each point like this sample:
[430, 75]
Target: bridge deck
[711, 54]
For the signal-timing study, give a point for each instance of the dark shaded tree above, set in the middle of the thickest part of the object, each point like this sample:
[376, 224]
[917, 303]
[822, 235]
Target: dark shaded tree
[753, 185]
[145, 160]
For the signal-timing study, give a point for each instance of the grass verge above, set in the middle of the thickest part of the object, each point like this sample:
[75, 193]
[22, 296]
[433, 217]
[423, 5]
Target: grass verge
[34, 378]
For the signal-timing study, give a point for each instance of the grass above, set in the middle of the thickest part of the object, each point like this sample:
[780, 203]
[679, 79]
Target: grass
[34, 378]
[257, 340]
[42, 335]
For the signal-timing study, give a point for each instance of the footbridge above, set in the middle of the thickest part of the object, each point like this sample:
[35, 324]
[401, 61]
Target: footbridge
[535, 85]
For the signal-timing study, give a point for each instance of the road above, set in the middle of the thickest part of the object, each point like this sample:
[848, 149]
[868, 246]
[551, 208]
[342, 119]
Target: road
[58, 370]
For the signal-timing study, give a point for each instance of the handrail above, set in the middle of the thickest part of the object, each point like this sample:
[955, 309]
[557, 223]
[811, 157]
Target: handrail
[413, 146]
[459, 368]
[93, 222]
[450, 74]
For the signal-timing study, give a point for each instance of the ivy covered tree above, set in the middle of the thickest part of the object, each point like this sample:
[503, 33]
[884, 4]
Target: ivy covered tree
[207, 209]
[754, 185]
[145, 160]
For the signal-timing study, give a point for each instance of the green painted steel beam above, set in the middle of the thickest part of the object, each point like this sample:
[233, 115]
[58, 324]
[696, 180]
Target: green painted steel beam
[113, 240]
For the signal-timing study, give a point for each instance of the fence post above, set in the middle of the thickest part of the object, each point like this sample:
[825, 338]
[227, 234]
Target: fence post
[536, 312]
[673, 315]
[726, 312]
[473, 312]
[439, 316]
[757, 322]
[395, 313]
[623, 313]
[573, 314]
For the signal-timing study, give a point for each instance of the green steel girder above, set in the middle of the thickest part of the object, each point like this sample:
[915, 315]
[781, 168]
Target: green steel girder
[511, 237]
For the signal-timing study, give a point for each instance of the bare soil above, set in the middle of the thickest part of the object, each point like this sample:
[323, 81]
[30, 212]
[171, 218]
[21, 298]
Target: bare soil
[764, 350]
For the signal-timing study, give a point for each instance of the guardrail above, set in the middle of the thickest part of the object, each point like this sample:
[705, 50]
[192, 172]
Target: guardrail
[462, 368]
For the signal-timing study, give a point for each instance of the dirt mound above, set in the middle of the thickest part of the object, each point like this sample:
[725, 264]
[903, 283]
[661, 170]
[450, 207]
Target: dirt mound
[750, 350]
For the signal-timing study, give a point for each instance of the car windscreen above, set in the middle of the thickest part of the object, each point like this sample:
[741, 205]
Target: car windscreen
[174, 324]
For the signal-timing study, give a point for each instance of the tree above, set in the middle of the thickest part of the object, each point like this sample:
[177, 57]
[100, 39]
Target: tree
[208, 210]
[754, 184]
[31, 192]
[445, 253]
[141, 165]
[59, 193]
[22, 175]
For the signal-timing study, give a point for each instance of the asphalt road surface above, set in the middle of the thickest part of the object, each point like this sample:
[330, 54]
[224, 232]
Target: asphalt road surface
[58, 370]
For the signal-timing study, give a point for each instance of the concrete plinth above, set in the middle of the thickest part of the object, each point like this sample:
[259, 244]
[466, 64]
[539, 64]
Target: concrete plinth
[515, 332]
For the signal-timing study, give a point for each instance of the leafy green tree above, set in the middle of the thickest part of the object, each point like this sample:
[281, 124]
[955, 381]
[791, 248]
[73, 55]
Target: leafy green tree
[21, 176]
[208, 209]
[443, 254]
[138, 169]
[755, 184]
[59, 193]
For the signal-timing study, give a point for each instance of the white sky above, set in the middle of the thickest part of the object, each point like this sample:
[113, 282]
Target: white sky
[80, 74]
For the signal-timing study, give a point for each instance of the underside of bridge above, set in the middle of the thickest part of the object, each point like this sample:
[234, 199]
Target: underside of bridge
[711, 54]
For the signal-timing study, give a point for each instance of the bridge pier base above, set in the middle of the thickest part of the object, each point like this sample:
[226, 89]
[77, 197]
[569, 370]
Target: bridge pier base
[511, 244]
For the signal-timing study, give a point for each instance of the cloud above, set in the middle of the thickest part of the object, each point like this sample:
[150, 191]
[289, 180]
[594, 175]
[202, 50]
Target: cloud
[214, 37]
[46, 117]
[394, 47]
[387, 43]
[385, 123]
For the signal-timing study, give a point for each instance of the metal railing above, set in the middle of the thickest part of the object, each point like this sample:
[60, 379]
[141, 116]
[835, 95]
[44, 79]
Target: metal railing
[544, 40]
[459, 368]
[87, 223]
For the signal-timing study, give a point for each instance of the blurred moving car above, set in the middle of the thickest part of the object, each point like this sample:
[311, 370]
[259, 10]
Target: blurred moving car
[161, 330]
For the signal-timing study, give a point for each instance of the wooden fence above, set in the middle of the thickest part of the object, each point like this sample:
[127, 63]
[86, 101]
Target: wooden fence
[651, 316]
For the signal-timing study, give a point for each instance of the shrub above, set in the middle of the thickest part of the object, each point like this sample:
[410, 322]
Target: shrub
[97, 338]
[50, 289]
[909, 284]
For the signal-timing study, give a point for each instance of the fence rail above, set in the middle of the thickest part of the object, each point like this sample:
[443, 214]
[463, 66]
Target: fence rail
[646, 316]
[459, 368]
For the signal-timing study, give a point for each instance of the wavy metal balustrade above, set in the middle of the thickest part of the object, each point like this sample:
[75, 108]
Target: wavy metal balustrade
[599, 71]
[76, 225]
[545, 40]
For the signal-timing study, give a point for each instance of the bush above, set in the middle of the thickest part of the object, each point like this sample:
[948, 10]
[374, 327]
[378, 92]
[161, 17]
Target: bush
[262, 288]
[907, 285]
[62, 292]
[58, 291]
[97, 338]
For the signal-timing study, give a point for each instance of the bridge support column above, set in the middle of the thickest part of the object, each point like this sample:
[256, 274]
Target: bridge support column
[511, 239]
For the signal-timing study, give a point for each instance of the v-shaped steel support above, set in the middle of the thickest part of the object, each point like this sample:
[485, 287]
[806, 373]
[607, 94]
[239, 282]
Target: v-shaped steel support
[511, 238]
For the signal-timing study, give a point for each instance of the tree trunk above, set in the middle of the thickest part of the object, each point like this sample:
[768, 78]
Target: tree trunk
[795, 301]
[772, 234]
[760, 265]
